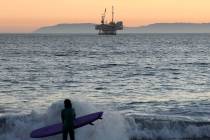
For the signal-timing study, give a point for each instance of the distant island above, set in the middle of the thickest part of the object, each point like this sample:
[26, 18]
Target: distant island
[152, 28]
[68, 28]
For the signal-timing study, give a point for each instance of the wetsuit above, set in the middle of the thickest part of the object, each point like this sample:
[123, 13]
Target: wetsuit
[68, 116]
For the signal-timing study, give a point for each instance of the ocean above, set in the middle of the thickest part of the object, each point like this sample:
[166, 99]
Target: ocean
[150, 86]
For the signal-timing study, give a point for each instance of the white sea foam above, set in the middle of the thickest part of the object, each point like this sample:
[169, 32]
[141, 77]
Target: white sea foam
[154, 129]
[111, 127]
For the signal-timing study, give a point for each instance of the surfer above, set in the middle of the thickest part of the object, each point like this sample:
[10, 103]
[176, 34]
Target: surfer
[68, 115]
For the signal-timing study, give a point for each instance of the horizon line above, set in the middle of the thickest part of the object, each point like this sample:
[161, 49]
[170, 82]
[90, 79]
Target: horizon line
[77, 23]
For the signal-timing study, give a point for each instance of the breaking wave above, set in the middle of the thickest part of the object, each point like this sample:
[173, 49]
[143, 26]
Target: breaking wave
[113, 126]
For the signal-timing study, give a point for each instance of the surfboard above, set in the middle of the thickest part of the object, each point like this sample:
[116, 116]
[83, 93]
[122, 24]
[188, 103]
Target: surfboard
[55, 129]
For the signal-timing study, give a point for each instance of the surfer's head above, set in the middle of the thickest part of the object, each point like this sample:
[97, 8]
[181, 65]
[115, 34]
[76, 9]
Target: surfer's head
[67, 103]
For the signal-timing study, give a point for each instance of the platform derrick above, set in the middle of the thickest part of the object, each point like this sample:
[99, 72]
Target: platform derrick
[109, 28]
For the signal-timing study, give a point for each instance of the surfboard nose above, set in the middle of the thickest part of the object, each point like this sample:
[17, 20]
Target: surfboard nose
[100, 115]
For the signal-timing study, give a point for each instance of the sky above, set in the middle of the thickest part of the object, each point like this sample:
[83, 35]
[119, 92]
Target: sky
[28, 15]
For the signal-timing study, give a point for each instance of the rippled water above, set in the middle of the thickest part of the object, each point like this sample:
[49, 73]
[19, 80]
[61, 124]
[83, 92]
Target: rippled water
[159, 83]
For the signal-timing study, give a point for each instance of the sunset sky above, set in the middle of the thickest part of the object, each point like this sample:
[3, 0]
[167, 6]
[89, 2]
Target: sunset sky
[28, 15]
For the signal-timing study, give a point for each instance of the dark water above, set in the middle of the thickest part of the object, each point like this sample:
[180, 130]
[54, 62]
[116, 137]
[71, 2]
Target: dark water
[153, 86]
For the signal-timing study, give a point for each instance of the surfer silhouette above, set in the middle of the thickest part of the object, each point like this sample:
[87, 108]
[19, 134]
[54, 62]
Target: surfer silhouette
[68, 115]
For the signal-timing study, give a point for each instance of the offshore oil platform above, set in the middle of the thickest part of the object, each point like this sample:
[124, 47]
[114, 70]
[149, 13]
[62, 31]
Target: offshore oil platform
[109, 28]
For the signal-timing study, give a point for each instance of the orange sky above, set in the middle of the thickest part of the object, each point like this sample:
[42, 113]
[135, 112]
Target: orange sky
[28, 15]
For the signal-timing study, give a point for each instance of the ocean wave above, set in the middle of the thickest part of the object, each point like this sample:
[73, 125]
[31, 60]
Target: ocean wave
[166, 128]
[112, 127]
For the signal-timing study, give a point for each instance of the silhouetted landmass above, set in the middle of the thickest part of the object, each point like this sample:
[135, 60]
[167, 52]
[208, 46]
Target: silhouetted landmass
[152, 28]
[171, 28]
[68, 28]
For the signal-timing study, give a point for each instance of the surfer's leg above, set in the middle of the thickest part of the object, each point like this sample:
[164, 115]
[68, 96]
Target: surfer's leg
[65, 134]
[71, 132]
